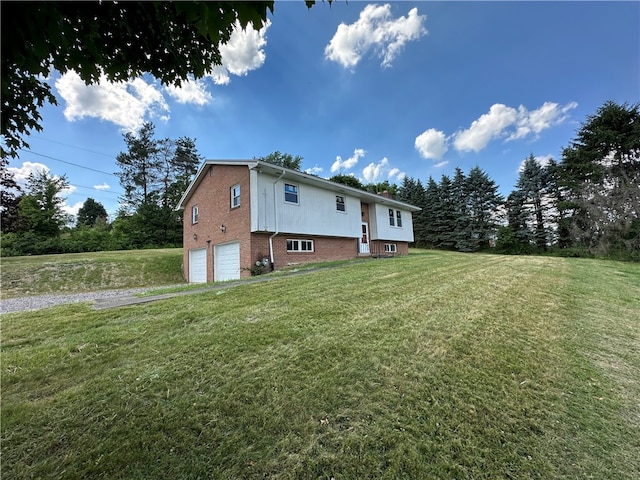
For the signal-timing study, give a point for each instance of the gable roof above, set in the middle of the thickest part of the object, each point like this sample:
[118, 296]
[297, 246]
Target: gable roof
[296, 176]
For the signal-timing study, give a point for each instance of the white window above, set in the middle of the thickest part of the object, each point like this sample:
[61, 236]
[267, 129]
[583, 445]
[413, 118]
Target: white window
[390, 248]
[299, 245]
[194, 214]
[235, 196]
[340, 206]
[398, 218]
[392, 217]
[290, 193]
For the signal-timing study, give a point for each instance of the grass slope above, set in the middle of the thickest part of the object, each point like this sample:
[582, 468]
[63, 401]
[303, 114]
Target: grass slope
[82, 272]
[438, 365]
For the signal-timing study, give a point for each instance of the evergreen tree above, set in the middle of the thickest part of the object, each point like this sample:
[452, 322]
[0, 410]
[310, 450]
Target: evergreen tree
[90, 213]
[462, 232]
[445, 216]
[430, 213]
[533, 186]
[484, 206]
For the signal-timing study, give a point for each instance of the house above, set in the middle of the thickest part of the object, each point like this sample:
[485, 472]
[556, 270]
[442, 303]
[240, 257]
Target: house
[238, 213]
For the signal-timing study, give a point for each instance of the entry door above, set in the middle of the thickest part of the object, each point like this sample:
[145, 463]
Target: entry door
[363, 244]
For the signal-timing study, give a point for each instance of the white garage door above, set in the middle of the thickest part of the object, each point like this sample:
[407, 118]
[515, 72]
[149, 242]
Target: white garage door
[198, 266]
[226, 262]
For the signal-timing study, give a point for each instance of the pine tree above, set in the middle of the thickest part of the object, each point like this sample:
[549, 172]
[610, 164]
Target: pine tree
[484, 206]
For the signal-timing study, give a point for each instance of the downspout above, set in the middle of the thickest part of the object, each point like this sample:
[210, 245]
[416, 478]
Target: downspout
[275, 215]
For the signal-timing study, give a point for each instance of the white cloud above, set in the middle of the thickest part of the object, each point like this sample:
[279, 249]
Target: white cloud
[244, 52]
[501, 119]
[190, 91]
[533, 122]
[20, 174]
[127, 104]
[440, 164]
[375, 30]
[314, 170]
[104, 186]
[71, 209]
[431, 144]
[376, 172]
[350, 162]
[484, 129]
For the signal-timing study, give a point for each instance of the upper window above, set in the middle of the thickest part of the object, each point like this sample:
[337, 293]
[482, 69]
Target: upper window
[299, 245]
[290, 193]
[392, 218]
[194, 214]
[398, 218]
[340, 204]
[235, 196]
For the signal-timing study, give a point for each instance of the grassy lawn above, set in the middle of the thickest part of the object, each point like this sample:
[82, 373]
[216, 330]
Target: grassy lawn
[436, 365]
[81, 272]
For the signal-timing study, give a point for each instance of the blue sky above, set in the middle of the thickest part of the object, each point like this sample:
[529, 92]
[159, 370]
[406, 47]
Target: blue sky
[377, 90]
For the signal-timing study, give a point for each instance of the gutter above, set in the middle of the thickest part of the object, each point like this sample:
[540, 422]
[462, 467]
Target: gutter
[275, 214]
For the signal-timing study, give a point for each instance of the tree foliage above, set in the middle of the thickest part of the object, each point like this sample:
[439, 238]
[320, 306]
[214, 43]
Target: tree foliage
[285, 160]
[40, 209]
[117, 40]
[91, 213]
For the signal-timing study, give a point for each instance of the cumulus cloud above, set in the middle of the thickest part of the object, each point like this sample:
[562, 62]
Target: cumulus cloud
[375, 172]
[374, 30]
[20, 174]
[484, 129]
[431, 144]
[104, 186]
[316, 170]
[129, 104]
[126, 104]
[507, 122]
[191, 91]
[349, 163]
[535, 121]
[71, 209]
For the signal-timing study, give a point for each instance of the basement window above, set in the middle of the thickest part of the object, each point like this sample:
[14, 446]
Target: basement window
[390, 248]
[299, 245]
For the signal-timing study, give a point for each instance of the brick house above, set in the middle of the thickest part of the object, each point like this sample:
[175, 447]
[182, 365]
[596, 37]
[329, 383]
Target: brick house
[239, 212]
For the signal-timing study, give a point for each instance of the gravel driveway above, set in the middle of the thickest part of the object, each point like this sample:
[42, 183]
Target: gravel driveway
[43, 301]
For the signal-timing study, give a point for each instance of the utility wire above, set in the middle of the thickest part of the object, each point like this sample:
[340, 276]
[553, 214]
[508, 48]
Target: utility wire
[68, 163]
[74, 146]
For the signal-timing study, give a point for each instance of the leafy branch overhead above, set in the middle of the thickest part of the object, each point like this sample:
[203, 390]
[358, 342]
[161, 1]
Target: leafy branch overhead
[117, 40]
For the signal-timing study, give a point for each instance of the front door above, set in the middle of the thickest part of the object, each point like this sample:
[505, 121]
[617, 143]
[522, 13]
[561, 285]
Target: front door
[363, 243]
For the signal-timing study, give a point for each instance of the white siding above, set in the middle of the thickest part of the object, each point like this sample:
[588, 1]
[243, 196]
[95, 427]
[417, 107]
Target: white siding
[380, 228]
[315, 214]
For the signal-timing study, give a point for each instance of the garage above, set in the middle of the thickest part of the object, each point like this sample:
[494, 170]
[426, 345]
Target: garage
[198, 266]
[226, 262]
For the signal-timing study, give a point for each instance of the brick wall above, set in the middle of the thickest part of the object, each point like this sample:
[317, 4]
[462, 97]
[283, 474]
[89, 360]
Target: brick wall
[213, 197]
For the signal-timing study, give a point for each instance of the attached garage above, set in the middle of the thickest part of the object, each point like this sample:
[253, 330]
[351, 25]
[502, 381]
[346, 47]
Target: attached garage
[198, 266]
[226, 262]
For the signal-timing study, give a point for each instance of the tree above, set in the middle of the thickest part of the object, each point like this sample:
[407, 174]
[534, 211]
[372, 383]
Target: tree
[9, 198]
[484, 204]
[40, 210]
[91, 212]
[348, 180]
[533, 187]
[600, 176]
[117, 40]
[285, 160]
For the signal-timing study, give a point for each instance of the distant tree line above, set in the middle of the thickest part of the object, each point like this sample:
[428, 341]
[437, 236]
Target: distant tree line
[586, 204]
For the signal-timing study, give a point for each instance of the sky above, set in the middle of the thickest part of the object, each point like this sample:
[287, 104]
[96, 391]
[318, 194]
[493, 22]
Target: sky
[377, 90]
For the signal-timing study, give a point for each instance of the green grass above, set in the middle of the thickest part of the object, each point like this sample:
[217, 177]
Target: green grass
[436, 365]
[81, 272]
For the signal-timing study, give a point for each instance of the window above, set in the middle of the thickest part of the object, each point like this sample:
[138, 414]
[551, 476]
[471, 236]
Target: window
[398, 218]
[340, 204]
[299, 245]
[290, 193]
[391, 217]
[194, 214]
[390, 248]
[235, 196]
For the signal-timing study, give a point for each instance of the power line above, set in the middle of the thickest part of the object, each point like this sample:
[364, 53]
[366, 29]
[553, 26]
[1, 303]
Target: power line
[68, 163]
[74, 146]
[96, 189]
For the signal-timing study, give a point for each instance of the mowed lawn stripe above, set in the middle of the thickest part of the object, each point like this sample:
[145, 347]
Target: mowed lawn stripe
[439, 365]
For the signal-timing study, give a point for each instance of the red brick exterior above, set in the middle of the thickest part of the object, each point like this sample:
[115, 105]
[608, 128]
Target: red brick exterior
[213, 198]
